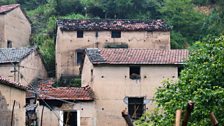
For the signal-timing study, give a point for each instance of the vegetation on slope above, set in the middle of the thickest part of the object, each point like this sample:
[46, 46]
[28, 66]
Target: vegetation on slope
[189, 25]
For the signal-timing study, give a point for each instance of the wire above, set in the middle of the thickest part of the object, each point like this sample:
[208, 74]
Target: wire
[37, 93]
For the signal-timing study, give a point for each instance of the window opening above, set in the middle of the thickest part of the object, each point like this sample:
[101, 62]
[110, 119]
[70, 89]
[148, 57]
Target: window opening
[97, 34]
[70, 118]
[180, 68]
[79, 56]
[135, 107]
[134, 72]
[79, 34]
[9, 44]
[115, 34]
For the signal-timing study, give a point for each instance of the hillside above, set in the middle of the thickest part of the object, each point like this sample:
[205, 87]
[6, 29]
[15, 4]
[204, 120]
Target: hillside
[189, 21]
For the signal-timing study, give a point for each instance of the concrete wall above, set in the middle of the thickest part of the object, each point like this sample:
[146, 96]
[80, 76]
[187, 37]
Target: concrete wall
[30, 67]
[7, 96]
[16, 28]
[111, 84]
[67, 43]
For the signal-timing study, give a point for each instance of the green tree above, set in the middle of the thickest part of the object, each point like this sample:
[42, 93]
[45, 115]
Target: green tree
[201, 81]
[186, 21]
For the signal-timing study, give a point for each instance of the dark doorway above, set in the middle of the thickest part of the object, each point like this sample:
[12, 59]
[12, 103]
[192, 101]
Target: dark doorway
[135, 107]
[70, 118]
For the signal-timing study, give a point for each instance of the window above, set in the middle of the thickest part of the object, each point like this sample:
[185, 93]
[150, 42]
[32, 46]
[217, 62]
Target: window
[97, 34]
[9, 44]
[79, 56]
[134, 72]
[79, 34]
[115, 34]
[135, 107]
[70, 118]
[180, 68]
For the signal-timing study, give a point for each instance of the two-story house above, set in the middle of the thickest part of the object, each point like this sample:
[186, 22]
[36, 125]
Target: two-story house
[15, 27]
[127, 79]
[73, 36]
[22, 65]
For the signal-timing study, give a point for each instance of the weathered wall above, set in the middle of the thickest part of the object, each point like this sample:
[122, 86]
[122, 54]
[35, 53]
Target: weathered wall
[17, 29]
[87, 113]
[55, 117]
[6, 72]
[86, 77]
[7, 97]
[50, 118]
[111, 84]
[29, 69]
[67, 42]
[2, 31]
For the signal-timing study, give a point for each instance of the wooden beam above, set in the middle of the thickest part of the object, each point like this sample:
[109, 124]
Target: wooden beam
[213, 119]
[190, 107]
[127, 118]
[178, 117]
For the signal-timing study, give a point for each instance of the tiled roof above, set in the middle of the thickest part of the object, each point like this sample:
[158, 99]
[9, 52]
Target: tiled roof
[11, 84]
[6, 8]
[8, 55]
[136, 56]
[66, 93]
[108, 25]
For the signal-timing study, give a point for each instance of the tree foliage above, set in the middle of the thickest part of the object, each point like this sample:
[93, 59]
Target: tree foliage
[189, 25]
[201, 81]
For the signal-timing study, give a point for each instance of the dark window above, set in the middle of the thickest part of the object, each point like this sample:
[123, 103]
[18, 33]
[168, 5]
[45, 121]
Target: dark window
[79, 34]
[135, 107]
[115, 34]
[79, 56]
[134, 72]
[9, 44]
[97, 34]
[180, 68]
[70, 118]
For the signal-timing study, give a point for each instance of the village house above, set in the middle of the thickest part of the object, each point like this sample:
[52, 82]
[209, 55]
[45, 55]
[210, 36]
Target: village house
[127, 79]
[23, 65]
[12, 102]
[64, 106]
[15, 27]
[73, 36]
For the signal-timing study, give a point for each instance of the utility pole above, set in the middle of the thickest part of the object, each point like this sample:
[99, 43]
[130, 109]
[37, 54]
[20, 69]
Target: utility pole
[14, 71]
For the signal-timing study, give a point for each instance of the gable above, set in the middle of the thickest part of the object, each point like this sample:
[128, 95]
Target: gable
[7, 8]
